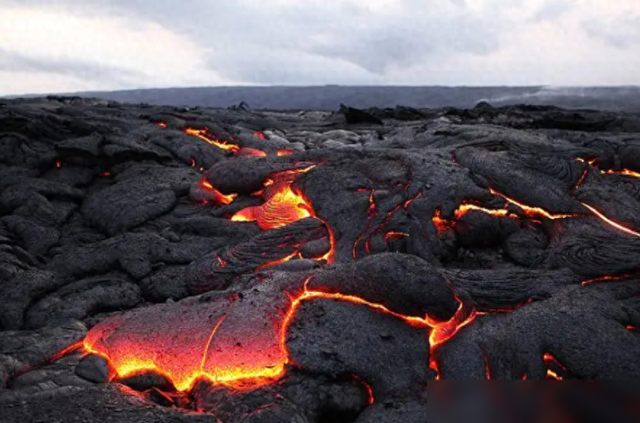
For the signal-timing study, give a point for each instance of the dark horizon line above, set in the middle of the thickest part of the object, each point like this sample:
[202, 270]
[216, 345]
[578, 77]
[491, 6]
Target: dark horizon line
[196, 87]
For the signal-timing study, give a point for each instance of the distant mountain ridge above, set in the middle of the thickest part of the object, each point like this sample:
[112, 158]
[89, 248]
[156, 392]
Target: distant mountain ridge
[331, 96]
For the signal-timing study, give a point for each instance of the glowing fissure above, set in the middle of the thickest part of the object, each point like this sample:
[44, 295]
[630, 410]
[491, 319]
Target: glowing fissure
[395, 235]
[372, 213]
[609, 278]
[610, 222]
[534, 211]
[444, 225]
[204, 135]
[219, 197]
[623, 172]
[551, 361]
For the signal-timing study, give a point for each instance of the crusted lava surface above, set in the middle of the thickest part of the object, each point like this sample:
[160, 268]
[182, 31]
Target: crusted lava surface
[164, 264]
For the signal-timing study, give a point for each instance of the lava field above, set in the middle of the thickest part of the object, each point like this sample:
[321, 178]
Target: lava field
[162, 264]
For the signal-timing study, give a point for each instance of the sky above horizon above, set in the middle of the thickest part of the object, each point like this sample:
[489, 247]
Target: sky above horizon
[82, 45]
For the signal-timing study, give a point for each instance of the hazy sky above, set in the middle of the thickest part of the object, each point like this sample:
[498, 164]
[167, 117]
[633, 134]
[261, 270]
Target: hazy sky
[75, 45]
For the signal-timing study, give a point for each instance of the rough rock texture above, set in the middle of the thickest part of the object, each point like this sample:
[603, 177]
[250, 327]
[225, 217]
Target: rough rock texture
[165, 264]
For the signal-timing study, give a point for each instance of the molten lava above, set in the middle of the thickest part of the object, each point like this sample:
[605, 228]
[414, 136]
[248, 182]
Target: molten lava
[395, 235]
[443, 225]
[251, 152]
[207, 137]
[228, 345]
[553, 367]
[283, 205]
[610, 222]
[534, 211]
[219, 197]
[623, 172]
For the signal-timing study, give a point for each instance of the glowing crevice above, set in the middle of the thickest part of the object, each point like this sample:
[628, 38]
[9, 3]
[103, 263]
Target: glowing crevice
[219, 197]
[610, 222]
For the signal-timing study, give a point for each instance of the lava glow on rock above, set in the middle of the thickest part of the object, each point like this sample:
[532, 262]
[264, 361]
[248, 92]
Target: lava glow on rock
[219, 197]
[233, 347]
[205, 136]
[216, 355]
[283, 205]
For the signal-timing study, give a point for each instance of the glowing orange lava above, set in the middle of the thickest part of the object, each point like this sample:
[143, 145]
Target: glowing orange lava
[534, 211]
[283, 206]
[551, 361]
[395, 235]
[206, 136]
[443, 225]
[220, 198]
[219, 346]
[251, 152]
[623, 172]
[611, 222]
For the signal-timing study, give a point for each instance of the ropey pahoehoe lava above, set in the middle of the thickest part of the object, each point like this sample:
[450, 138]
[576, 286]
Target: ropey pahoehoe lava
[282, 266]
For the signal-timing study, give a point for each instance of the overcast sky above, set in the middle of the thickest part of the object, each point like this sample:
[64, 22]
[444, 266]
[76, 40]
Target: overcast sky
[76, 45]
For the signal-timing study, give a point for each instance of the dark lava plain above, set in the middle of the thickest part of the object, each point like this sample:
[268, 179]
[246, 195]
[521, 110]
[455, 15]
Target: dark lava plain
[162, 264]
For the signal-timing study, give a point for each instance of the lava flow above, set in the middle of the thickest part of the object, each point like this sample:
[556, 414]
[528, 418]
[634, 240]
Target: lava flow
[610, 222]
[553, 367]
[444, 225]
[284, 205]
[206, 136]
[534, 211]
[623, 172]
[219, 197]
[226, 345]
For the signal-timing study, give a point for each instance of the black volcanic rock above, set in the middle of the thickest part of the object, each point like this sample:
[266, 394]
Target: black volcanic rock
[356, 116]
[264, 266]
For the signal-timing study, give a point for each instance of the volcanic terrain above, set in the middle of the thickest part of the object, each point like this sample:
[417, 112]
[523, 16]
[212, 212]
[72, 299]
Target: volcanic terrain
[162, 264]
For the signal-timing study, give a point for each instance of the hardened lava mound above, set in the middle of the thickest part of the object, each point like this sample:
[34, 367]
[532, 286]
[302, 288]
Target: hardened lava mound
[172, 265]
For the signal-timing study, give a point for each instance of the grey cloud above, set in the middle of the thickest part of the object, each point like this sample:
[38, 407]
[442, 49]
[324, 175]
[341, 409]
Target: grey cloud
[18, 62]
[621, 32]
[334, 41]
